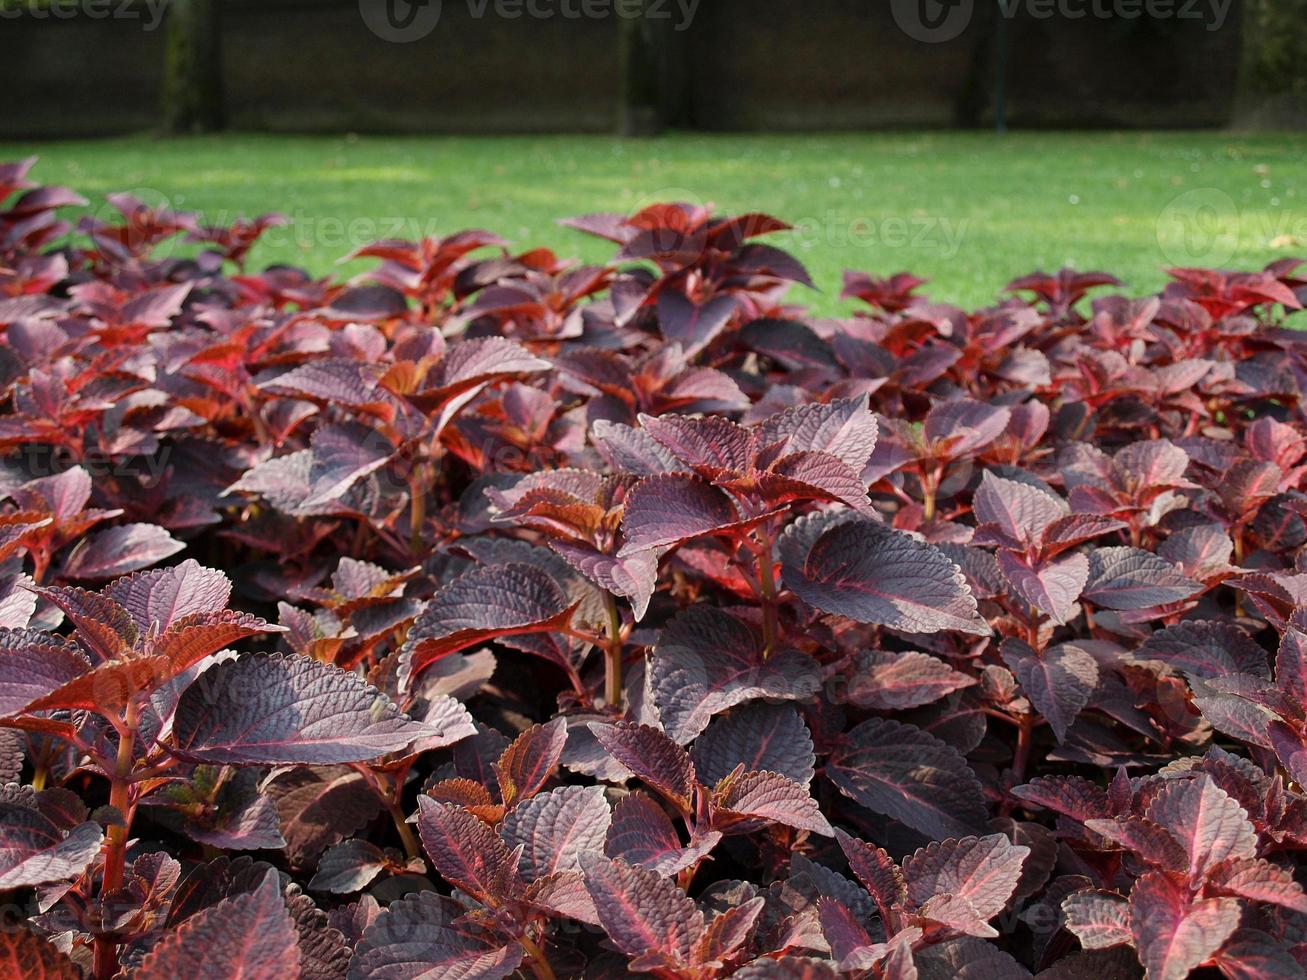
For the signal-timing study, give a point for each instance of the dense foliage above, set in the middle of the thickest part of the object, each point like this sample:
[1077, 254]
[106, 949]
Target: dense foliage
[493, 615]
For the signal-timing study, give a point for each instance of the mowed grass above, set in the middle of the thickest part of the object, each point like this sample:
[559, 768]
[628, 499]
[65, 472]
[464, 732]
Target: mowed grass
[969, 211]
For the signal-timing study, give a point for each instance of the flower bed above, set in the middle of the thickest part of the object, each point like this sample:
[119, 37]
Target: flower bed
[493, 614]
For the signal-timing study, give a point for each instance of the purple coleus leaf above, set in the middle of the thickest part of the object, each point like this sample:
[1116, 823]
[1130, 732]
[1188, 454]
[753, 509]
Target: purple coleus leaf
[527, 764]
[760, 737]
[160, 597]
[341, 456]
[27, 955]
[466, 852]
[118, 550]
[1058, 681]
[845, 428]
[424, 936]
[1129, 579]
[708, 660]
[910, 775]
[1198, 648]
[633, 577]
[1052, 586]
[692, 326]
[487, 602]
[652, 757]
[1207, 822]
[251, 934]
[1174, 932]
[1021, 513]
[768, 797]
[35, 665]
[983, 872]
[642, 833]
[287, 709]
[556, 828]
[34, 850]
[643, 913]
[896, 680]
[841, 563]
[664, 511]
[349, 866]
[1099, 919]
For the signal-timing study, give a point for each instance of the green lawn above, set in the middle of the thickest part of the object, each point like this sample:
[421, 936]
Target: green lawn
[968, 210]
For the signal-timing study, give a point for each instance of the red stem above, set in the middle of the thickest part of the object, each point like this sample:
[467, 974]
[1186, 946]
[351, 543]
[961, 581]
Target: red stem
[116, 837]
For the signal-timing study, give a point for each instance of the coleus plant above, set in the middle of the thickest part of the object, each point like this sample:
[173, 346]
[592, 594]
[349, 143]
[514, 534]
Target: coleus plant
[629, 619]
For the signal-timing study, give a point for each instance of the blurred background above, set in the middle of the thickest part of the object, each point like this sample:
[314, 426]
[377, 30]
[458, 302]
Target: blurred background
[966, 140]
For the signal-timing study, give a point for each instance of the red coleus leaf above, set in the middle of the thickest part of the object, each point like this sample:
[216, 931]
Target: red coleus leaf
[651, 757]
[24, 954]
[1099, 919]
[103, 627]
[487, 602]
[247, 935]
[286, 710]
[1058, 681]
[34, 850]
[877, 871]
[888, 681]
[1207, 822]
[527, 764]
[707, 661]
[117, 550]
[983, 871]
[839, 563]
[466, 852]
[1129, 578]
[556, 828]
[35, 664]
[643, 913]
[641, 833]
[772, 798]
[664, 511]
[910, 775]
[1174, 932]
[424, 936]
[1259, 881]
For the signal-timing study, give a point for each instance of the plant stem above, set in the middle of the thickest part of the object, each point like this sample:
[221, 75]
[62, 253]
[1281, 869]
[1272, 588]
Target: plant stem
[613, 655]
[539, 962]
[767, 591]
[115, 855]
[412, 849]
[417, 492]
[1025, 733]
[930, 491]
